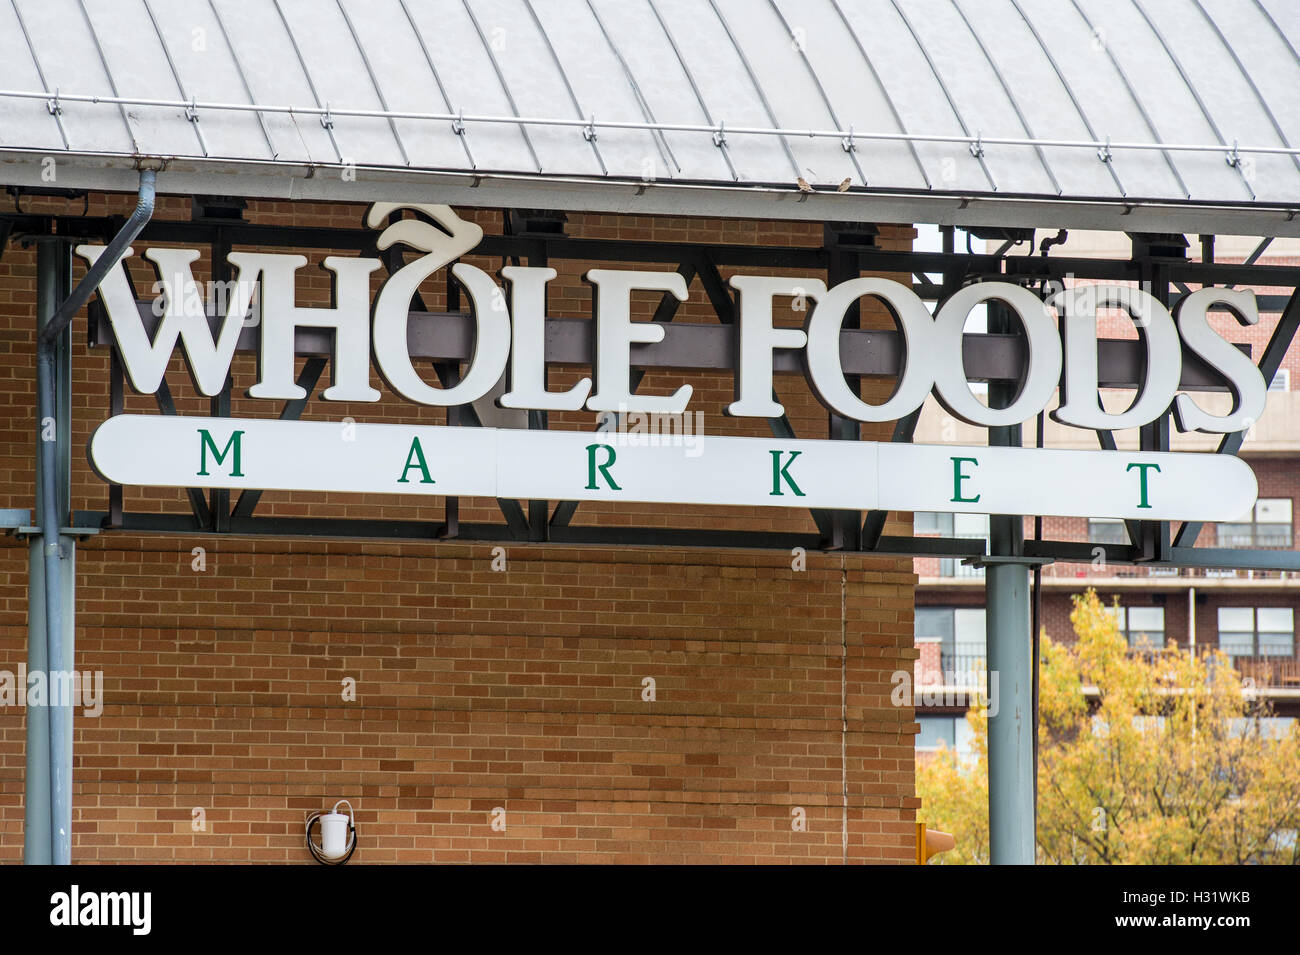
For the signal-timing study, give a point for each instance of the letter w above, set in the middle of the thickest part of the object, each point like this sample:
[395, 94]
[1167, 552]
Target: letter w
[183, 317]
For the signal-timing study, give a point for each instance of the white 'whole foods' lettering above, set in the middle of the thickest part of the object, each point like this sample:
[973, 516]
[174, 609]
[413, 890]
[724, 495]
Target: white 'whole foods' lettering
[510, 332]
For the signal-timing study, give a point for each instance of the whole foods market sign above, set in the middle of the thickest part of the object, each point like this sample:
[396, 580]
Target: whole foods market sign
[509, 341]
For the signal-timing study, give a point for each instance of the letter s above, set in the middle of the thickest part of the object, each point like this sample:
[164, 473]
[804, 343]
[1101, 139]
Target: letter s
[1250, 391]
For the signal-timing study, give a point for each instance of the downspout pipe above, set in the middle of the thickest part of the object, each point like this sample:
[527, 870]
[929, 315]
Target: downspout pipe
[52, 520]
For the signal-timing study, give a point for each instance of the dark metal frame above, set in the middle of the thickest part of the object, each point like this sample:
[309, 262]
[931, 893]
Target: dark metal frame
[847, 251]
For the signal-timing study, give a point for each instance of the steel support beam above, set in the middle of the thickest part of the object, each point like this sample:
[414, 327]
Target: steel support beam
[1010, 675]
[1011, 722]
[51, 592]
[52, 441]
[36, 774]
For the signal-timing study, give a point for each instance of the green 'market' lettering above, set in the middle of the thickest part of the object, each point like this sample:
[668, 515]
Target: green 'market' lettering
[592, 467]
[415, 459]
[781, 472]
[958, 477]
[232, 448]
[1143, 468]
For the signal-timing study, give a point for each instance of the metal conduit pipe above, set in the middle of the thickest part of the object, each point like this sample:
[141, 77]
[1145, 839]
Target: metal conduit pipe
[52, 520]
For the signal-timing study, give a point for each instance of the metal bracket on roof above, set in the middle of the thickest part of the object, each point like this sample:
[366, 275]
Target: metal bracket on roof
[1233, 158]
[458, 124]
[192, 111]
[977, 147]
[847, 143]
[327, 119]
[720, 135]
[589, 131]
[1104, 153]
[53, 106]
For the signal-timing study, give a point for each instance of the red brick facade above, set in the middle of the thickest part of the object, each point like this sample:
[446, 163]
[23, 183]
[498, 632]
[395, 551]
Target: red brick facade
[538, 704]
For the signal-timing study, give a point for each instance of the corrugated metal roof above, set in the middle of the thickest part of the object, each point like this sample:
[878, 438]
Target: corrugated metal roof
[1135, 114]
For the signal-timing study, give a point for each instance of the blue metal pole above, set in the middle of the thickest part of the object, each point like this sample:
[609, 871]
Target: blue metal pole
[36, 779]
[60, 710]
[1011, 724]
[1012, 823]
[52, 513]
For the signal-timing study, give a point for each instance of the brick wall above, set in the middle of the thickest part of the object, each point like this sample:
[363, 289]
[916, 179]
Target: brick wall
[513, 693]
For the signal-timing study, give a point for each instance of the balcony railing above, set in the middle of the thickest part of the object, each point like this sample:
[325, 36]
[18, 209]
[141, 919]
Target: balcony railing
[953, 567]
[1275, 672]
[965, 657]
[965, 662]
[1261, 537]
[1087, 572]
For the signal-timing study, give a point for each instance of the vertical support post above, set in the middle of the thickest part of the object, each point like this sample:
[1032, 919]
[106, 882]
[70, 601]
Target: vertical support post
[57, 555]
[50, 773]
[36, 775]
[1012, 821]
[1011, 724]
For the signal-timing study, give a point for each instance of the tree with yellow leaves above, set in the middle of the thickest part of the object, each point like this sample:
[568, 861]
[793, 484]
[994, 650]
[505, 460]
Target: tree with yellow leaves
[1153, 757]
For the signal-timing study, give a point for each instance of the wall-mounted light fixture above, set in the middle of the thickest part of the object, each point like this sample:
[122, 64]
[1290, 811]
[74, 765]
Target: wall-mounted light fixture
[338, 835]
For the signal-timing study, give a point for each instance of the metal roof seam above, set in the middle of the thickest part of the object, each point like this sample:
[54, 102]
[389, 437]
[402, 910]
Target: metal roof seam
[803, 56]
[1015, 106]
[370, 72]
[758, 88]
[1069, 91]
[1191, 88]
[1263, 103]
[884, 92]
[505, 87]
[243, 79]
[573, 97]
[302, 64]
[661, 141]
[719, 140]
[1277, 29]
[54, 110]
[976, 150]
[1137, 100]
[108, 74]
[190, 114]
[442, 90]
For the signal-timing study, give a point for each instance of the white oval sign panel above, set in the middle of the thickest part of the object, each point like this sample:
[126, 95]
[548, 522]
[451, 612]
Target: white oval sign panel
[174, 451]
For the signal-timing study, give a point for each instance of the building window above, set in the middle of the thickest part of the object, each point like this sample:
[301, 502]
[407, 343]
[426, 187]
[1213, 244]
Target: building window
[1257, 631]
[1106, 530]
[1268, 727]
[960, 632]
[1143, 627]
[951, 525]
[932, 522]
[952, 732]
[936, 731]
[1281, 381]
[975, 526]
[1268, 524]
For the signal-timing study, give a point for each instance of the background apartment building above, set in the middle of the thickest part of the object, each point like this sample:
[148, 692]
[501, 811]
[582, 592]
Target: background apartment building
[1248, 614]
